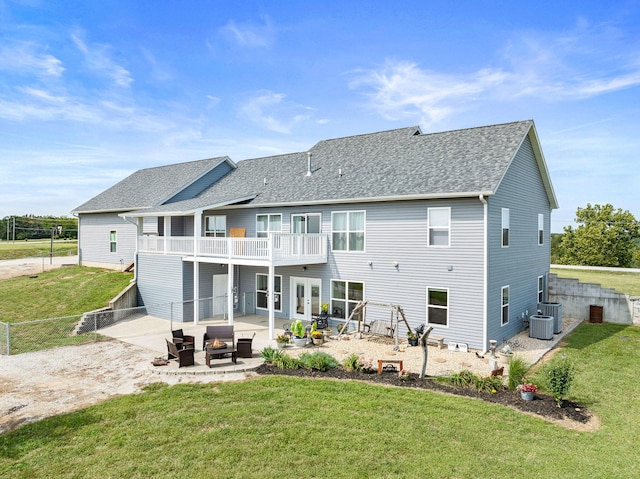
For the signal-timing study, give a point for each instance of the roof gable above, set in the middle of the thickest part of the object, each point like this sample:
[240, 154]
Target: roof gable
[149, 187]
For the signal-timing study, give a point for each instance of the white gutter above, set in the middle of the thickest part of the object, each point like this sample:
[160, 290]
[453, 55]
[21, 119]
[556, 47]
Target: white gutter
[485, 286]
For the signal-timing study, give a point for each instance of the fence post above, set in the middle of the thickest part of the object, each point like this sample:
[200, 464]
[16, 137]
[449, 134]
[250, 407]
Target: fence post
[8, 339]
[95, 326]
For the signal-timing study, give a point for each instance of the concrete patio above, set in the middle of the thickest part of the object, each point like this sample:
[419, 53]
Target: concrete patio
[150, 333]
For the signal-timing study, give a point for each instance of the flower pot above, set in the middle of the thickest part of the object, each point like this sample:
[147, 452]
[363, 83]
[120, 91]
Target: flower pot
[282, 345]
[527, 396]
[300, 342]
[317, 342]
[413, 342]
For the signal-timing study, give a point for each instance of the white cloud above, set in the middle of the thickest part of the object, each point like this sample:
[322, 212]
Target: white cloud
[271, 111]
[98, 59]
[580, 64]
[250, 35]
[28, 57]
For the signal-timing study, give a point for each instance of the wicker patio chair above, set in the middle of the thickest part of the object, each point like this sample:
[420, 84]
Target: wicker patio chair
[179, 338]
[184, 355]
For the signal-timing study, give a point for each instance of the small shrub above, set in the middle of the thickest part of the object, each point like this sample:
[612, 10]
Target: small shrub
[488, 384]
[284, 361]
[558, 375]
[269, 353]
[466, 378]
[518, 369]
[318, 361]
[365, 365]
[350, 363]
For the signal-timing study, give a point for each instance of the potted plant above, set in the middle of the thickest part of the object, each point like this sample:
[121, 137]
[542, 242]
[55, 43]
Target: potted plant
[340, 326]
[324, 309]
[527, 390]
[282, 340]
[299, 335]
[412, 338]
[317, 337]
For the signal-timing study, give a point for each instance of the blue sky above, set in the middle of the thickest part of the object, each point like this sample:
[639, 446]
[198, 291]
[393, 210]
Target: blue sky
[92, 91]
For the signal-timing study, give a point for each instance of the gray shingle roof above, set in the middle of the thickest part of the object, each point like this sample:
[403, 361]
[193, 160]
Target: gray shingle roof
[390, 164]
[149, 187]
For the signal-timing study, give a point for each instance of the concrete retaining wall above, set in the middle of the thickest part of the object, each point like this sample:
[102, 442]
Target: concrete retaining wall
[576, 299]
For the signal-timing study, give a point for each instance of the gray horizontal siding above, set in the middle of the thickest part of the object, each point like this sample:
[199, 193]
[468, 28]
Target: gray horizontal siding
[160, 283]
[519, 265]
[395, 232]
[94, 242]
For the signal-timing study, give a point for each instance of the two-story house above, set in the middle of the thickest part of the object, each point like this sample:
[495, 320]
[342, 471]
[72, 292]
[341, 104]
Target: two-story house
[452, 226]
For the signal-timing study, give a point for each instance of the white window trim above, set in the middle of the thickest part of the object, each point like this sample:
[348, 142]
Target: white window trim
[437, 325]
[346, 296]
[439, 228]
[540, 289]
[540, 229]
[508, 227]
[265, 291]
[268, 215]
[503, 306]
[306, 215]
[348, 231]
[115, 242]
[206, 231]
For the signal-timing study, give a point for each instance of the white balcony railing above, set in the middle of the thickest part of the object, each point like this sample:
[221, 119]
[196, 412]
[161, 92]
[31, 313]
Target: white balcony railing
[279, 248]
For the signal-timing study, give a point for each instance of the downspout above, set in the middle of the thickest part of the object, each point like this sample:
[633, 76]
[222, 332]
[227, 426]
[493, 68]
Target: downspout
[135, 255]
[485, 286]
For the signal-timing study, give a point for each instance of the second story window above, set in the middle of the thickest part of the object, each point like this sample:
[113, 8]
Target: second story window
[439, 220]
[113, 241]
[215, 226]
[505, 227]
[540, 229]
[347, 229]
[265, 224]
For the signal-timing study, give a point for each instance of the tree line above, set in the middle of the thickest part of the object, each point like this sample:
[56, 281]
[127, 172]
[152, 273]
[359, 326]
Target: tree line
[605, 236]
[30, 227]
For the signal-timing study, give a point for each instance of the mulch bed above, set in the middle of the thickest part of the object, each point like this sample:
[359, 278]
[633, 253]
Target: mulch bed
[543, 405]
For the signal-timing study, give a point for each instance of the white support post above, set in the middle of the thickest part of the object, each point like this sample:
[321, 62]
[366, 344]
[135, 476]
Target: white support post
[196, 292]
[271, 300]
[230, 282]
[166, 231]
[197, 232]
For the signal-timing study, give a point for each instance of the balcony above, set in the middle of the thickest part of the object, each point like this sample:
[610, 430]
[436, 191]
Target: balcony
[278, 249]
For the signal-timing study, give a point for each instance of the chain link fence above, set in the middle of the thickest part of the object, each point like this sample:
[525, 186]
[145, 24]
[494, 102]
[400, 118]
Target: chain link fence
[38, 335]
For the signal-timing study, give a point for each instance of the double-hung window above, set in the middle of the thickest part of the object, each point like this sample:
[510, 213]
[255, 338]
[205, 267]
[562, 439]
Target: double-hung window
[439, 220]
[438, 306]
[262, 292]
[268, 223]
[505, 305]
[347, 229]
[505, 227]
[215, 226]
[540, 289]
[540, 229]
[113, 241]
[345, 295]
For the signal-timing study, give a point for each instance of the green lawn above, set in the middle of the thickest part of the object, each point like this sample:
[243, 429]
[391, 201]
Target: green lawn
[60, 293]
[299, 428]
[24, 249]
[628, 283]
